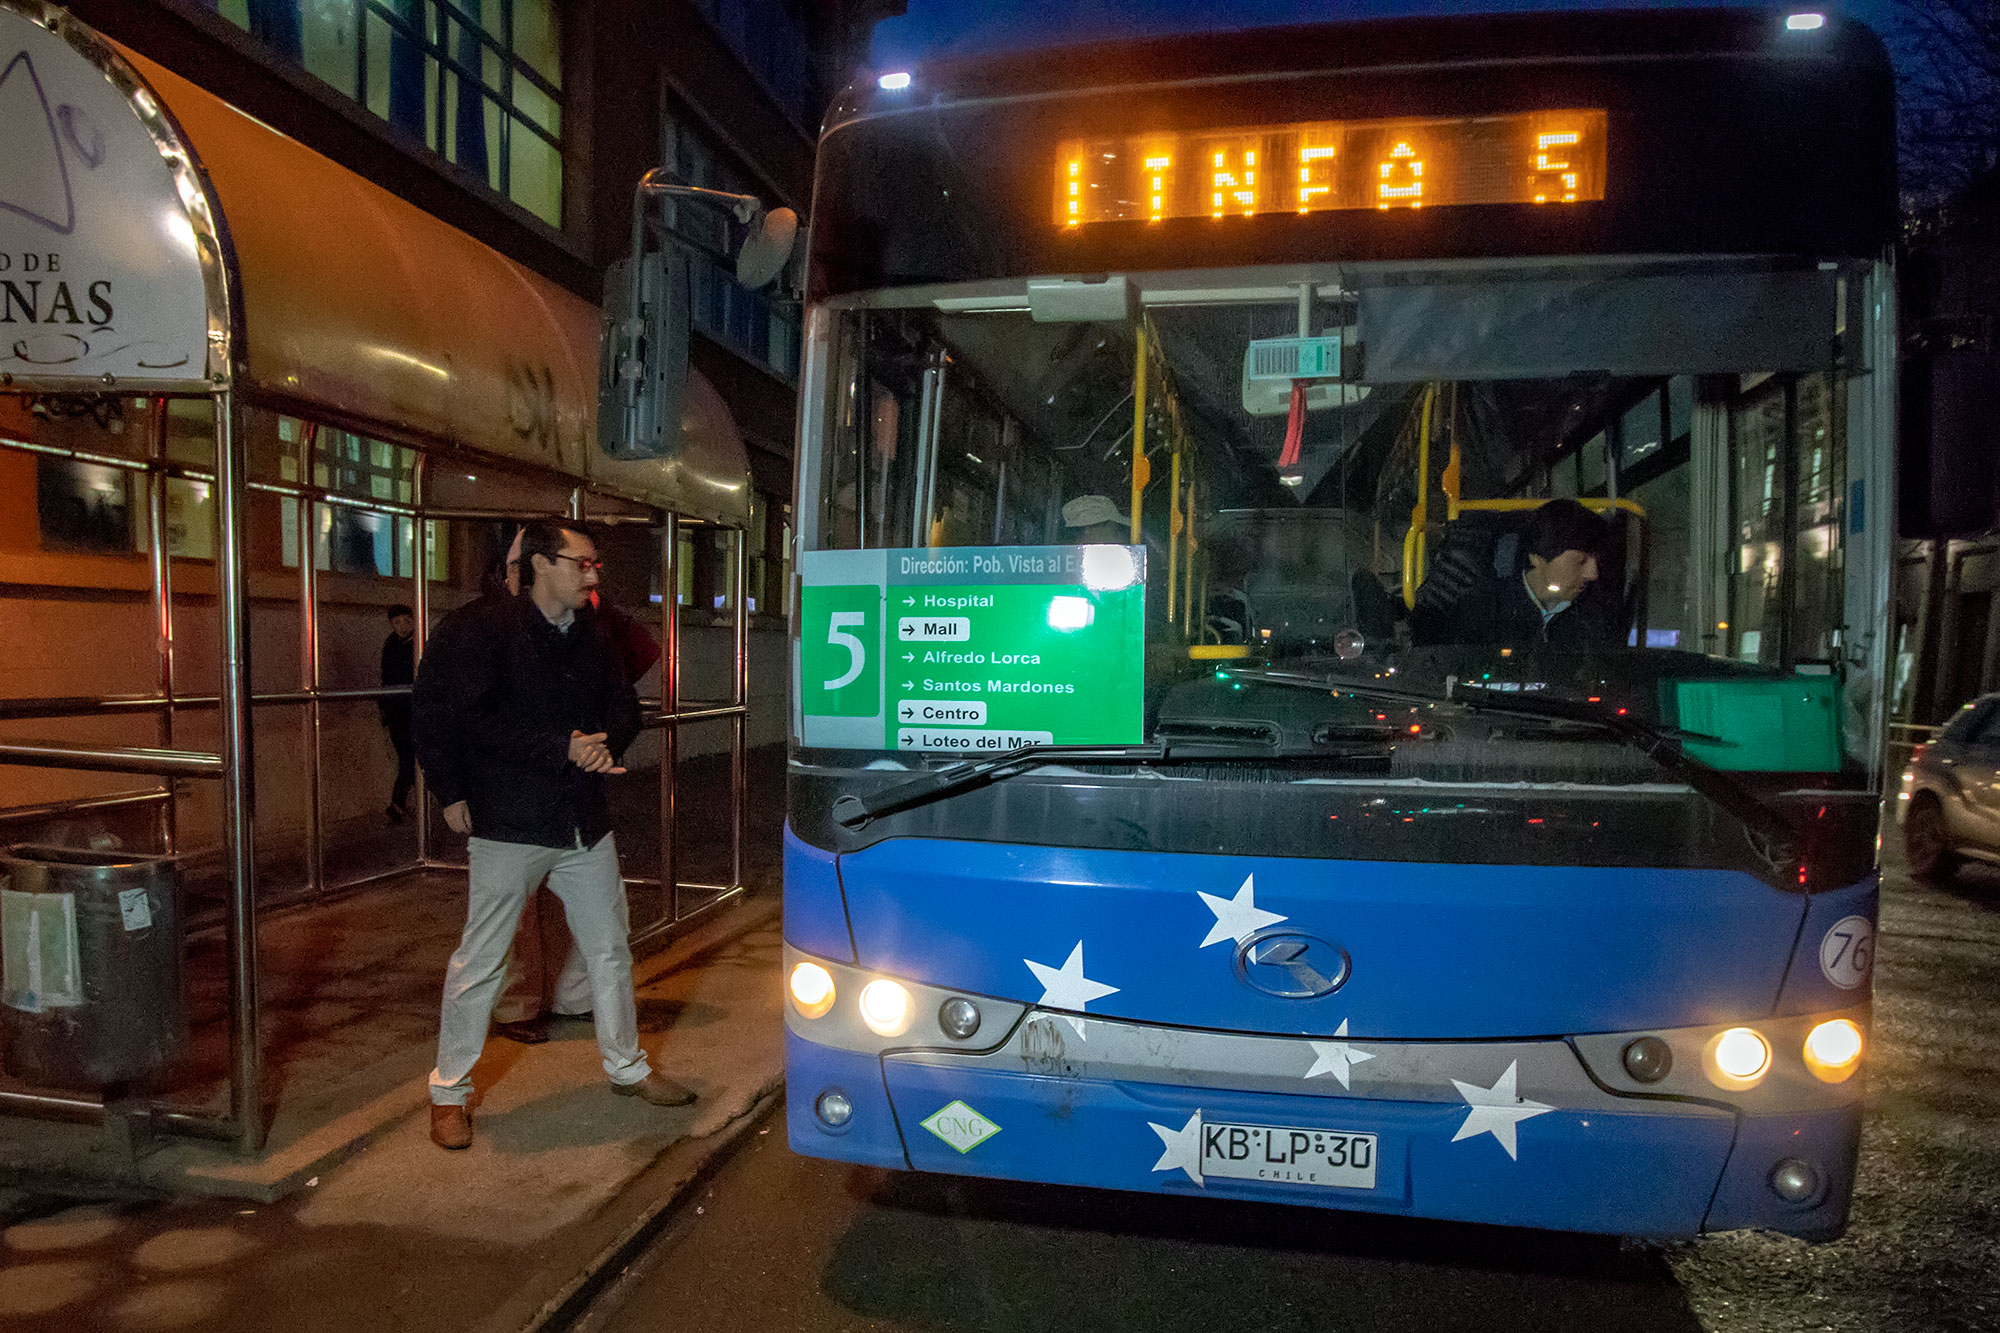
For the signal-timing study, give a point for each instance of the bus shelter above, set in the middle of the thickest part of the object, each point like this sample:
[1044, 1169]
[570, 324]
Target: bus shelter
[258, 402]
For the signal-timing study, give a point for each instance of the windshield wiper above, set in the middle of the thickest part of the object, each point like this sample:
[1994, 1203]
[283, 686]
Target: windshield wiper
[1660, 744]
[853, 812]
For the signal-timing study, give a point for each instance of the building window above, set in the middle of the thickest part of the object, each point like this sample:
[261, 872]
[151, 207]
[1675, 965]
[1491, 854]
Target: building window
[84, 506]
[754, 325]
[479, 81]
[770, 42]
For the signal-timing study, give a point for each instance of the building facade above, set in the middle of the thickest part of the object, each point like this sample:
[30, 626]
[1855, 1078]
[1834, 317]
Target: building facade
[1948, 566]
[525, 123]
[520, 125]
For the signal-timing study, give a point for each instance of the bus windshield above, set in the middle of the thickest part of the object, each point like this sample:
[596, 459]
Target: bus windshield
[1556, 482]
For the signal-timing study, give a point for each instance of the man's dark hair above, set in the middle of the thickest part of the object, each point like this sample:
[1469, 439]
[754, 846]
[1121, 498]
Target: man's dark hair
[1564, 525]
[400, 610]
[543, 537]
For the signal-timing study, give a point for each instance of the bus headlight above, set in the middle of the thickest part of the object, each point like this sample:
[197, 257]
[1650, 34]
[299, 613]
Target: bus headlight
[885, 1007]
[1737, 1058]
[1833, 1050]
[812, 989]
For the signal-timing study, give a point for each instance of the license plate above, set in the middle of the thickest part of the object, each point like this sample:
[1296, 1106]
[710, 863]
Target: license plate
[1281, 1155]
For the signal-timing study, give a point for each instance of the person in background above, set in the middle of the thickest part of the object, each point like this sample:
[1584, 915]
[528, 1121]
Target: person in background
[543, 710]
[399, 667]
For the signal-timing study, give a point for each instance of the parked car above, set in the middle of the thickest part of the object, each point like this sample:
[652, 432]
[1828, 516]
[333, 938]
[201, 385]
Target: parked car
[1949, 807]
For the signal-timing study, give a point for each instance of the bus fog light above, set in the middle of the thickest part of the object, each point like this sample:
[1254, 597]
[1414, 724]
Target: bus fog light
[812, 989]
[1648, 1059]
[1794, 1181]
[1737, 1058]
[959, 1017]
[885, 1007]
[834, 1108]
[1833, 1050]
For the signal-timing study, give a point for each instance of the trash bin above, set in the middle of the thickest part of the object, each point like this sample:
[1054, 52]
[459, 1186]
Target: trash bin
[91, 992]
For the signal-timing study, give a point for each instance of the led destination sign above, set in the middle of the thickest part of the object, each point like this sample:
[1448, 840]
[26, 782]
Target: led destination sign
[1535, 157]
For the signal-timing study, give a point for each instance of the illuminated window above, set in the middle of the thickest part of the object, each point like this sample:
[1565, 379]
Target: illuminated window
[479, 84]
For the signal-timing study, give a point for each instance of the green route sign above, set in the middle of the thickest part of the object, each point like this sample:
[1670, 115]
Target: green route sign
[972, 650]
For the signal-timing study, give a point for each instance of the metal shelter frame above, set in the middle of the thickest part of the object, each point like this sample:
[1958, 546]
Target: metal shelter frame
[235, 764]
[220, 379]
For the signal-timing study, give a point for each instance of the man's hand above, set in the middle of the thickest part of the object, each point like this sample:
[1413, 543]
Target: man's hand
[458, 817]
[589, 753]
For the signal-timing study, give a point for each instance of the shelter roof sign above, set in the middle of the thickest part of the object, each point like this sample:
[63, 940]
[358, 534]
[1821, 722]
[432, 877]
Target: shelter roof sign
[111, 268]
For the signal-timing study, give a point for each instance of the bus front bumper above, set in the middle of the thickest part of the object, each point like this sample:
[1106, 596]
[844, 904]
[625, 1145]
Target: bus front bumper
[1532, 1133]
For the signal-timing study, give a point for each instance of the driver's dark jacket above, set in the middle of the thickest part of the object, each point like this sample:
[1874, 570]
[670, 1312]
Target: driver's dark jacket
[516, 688]
[1499, 610]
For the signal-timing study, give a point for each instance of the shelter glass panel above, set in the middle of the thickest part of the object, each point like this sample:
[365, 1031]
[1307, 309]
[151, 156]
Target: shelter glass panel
[358, 781]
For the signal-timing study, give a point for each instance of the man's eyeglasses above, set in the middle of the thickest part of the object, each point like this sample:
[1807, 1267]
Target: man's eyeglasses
[586, 565]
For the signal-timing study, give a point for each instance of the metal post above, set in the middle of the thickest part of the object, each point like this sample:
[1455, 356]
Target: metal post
[239, 779]
[309, 668]
[420, 603]
[739, 696]
[670, 703]
[163, 613]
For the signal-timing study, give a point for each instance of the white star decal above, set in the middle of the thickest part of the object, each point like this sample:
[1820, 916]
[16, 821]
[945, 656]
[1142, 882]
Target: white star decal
[1066, 987]
[1336, 1057]
[1183, 1148]
[1237, 918]
[1496, 1110]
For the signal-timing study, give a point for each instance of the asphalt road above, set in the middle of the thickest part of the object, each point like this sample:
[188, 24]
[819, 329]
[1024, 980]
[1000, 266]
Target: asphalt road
[775, 1241]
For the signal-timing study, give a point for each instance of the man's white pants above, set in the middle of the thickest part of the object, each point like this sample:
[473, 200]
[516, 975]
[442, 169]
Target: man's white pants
[586, 881]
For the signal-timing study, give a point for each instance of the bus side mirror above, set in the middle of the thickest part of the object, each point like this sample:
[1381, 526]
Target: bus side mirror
[643, 355]
[768, 248]
[643, 358]
[1949, 410]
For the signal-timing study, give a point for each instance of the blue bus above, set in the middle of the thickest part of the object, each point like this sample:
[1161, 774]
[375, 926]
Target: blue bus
[1342, 590]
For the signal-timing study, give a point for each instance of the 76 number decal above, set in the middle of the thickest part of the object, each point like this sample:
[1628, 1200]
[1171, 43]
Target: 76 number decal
[1847, 953]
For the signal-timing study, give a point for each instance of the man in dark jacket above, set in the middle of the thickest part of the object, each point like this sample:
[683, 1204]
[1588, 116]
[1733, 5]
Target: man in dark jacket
[438, 741]
[1547, 598]
[544, 712]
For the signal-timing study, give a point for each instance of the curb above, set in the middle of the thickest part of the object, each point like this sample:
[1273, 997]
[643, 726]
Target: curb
[692, 1162]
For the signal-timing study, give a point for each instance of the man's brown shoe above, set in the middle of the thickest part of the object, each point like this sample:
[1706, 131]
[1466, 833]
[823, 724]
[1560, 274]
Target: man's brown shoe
[451, 1126]
[656, 1088]
[529, 1031]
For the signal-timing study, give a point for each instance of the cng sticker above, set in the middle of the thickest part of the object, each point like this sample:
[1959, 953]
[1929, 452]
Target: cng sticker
[1847, 953]
[961, 1126]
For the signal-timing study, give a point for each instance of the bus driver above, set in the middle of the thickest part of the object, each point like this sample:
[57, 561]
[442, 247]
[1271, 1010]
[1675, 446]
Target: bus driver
[1466, 599]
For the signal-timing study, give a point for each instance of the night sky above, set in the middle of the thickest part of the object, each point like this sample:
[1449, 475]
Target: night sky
[962, 27]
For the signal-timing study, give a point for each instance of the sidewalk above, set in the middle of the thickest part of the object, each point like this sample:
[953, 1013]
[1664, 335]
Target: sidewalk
[404, 1234]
